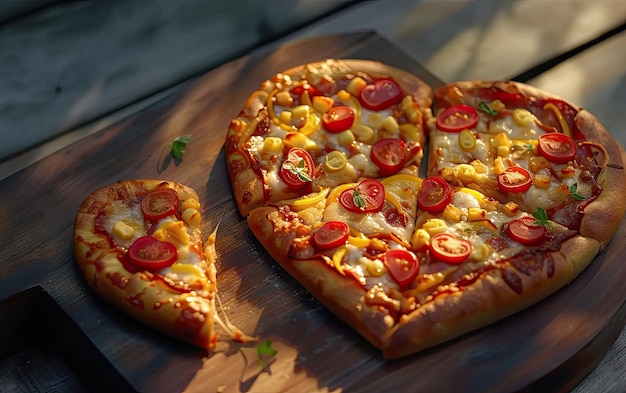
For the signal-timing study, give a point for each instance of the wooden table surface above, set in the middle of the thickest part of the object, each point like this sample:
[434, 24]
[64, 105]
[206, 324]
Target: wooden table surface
[552, 345]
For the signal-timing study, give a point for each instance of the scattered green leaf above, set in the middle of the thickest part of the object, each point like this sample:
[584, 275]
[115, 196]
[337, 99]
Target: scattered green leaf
[179, 145]
[265, 349]
[299, 170]
[542, 218]
[487, 109]
[358, 199]
[572, 190]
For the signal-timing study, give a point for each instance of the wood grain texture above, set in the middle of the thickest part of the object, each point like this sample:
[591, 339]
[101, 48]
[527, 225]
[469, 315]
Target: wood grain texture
[553, 344]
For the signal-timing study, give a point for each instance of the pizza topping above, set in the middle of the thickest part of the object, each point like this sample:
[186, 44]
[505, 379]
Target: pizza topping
[457, 118]
[556, 147]
[389, 155]
[525, 230]
[467, 140]
[160, 203]
[367, 197]
[403, 266]
[179, 145]
[380, 95]
[435, 195]
[447, 248]
[542, 218]
[483, 106]
[335, 161]
[337, 119]
[332, 234]
[514, 179]
[572, 189]
[297, 169]
[148, 253]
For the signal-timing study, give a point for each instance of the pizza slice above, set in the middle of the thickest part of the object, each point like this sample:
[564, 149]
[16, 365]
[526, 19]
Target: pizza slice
[324, 124]
[139, 245]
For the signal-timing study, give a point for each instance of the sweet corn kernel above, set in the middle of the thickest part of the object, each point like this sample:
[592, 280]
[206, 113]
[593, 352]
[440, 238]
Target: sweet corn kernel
[297, 139]
[375, 267]
[273, 144]
[322, 104]
[390, 124]
[466, 173]
[434, 226]
[476, 214]
[497, 105]
[537, 163]
[300, 112]
[123, 230]
[510, 208]
[481, 252]
[191, 217]
[420, 239]
[284, 98]
[447, 173]
[522, 117]
[285, 117]
[375, 120]
[498, 166]
[411, 131]
[190, 203]
[343, 96]
[452, 213]
[356, 85]
[363, 133]
[345, 138]
[503, 151]
[542, 180]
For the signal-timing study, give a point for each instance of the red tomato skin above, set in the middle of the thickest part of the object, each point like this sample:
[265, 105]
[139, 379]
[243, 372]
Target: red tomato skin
[389, 155]
[381, 94]
[431, 185]
[151, 254]
[338, 119]
[566, 147]
[518, 187]
[399, 272]
[523, 230]
[457, 123]
[444, 255]
[332, 234]
[168, 195]
[294, 156]
[371, 190]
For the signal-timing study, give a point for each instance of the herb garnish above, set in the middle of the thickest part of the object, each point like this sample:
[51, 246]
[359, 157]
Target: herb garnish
[572, 190]
[487, 109]
[542, 218]
[358, 199]
[178, 146]
[265, 349]
[299, 170]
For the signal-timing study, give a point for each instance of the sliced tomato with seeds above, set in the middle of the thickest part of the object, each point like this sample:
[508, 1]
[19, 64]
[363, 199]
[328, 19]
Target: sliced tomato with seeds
[449, 249]
[381, 94]
[435, 195]
[297, 169]
[338, 119]
[389, 155]
[556, 147]
[525, 230]
[367, 197]
[160, 203]
[514, 179]
[403, 266]
[457, 118]
[151, 254]
[332, 234]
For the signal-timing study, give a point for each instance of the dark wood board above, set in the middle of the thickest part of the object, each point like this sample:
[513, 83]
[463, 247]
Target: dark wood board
[552, 345]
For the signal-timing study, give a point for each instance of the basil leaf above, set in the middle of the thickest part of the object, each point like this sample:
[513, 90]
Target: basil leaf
[542, 218]
[358, 199]
[487, 109]
[265, 349]
[572, 190]
[179, 145]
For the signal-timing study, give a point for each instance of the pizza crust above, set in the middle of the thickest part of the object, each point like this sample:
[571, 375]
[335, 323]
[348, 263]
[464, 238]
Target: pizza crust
[142, 295]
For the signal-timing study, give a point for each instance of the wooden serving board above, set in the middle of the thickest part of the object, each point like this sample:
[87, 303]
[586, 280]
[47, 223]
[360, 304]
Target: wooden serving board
[552, 345]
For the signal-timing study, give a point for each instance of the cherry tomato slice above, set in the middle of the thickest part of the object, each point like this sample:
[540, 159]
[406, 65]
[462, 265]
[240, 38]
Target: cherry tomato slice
[367, 197]
[332, 234]
[338, 118]
[160, 203]
[514, 179]
[150, 254]
[449, 249]
[403, 266]
[556, 147]
[297, 169]
[524, 230]
[457, 118]
[435, 195]
[380, 95]
[389, 155]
